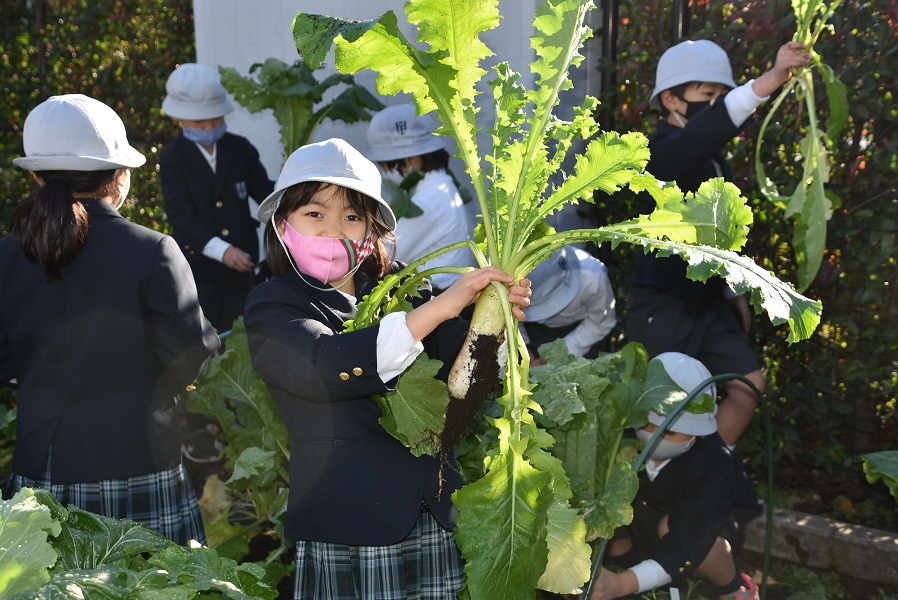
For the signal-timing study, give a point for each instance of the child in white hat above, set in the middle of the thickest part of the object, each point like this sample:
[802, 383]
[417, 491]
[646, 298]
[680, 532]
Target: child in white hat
[100, 329]
[573, 300]
[403, 143]
[691, 493]
[702, 110]
[351, 483]
[208, 178]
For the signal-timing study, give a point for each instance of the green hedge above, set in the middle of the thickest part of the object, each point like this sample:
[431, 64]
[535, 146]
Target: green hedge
[118, 51]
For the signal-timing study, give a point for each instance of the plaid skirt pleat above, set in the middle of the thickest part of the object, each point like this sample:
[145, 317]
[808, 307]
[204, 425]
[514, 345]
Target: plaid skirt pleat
[163, 501]
[424, 566]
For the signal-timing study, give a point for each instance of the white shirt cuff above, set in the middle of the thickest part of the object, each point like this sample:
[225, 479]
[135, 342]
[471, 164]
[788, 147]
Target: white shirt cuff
[742, 102]
[650, 575]
[215, 249]
[396, 346]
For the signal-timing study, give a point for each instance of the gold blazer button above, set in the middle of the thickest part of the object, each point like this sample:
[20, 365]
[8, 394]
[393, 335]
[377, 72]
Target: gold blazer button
[344, 376]
[357, 372]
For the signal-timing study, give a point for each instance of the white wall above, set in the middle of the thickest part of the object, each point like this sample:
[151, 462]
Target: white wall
[238, 33]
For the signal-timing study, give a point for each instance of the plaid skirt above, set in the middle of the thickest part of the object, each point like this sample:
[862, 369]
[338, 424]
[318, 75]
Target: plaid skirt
[424, 566]
[163, 501]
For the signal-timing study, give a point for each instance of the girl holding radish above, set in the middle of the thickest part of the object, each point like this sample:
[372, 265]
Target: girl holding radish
[371, 519]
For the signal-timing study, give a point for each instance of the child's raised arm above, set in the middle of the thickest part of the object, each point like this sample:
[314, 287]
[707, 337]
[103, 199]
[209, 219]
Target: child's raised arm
[790, 55]
[466, 289]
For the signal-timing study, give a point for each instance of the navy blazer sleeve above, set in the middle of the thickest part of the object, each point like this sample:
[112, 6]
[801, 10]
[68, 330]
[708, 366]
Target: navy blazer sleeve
[183, 339]
[307, 359]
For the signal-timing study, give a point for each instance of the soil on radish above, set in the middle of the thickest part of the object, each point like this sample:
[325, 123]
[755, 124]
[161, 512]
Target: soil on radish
[461, 412]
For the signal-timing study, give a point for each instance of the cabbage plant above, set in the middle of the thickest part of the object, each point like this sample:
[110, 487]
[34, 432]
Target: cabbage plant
[516, 528]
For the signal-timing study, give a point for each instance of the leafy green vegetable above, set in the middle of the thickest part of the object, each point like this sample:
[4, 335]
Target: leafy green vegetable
[505, 517]
[25, 554]
[420, 404]
[257, 449]
[810, 205]
[70, 553]
[883, 465]
[292, 92]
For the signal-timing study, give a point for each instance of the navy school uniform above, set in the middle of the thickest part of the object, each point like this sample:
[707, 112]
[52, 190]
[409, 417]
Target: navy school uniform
[350, 481]
[202, 204]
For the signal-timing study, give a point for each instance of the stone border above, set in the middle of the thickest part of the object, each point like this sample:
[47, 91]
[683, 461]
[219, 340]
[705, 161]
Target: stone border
[819, 542]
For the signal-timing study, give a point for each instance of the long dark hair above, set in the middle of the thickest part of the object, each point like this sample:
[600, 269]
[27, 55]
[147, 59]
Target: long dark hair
[51, 224]
[376, 265]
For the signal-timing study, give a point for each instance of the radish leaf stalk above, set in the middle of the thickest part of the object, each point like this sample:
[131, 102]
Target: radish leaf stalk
[810, 205]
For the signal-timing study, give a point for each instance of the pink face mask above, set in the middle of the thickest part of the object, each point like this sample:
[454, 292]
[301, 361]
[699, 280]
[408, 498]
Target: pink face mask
[326, 259]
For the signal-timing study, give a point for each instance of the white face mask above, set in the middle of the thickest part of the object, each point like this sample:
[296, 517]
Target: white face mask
[664, 449]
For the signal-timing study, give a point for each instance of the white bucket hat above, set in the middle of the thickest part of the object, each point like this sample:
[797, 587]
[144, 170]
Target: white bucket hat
[75, 133]
[331, 161]
[555, 283]
[688, 373]
[397, 132]
[699, 60]
[194, 92]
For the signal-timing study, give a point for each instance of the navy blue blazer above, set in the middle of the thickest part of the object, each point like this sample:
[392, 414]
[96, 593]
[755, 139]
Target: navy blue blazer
[201, 204]
[350, 481]
[100, 353]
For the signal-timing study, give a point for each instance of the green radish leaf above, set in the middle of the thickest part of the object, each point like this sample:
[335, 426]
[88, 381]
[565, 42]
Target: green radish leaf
[568, 563]
[811, 208]
[89, 541]
[415, 413]
[883, 465]
[837, 97]
[809, 203]
[562, 385]
[716, 215]
[613, 507]
[25, 554]
[203, 570]
[559, 34]
[499, 523]
[609, 163]
[255, 467]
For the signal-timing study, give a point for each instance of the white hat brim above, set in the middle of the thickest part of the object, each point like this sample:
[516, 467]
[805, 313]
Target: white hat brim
[194, 111]
[688, 423]
[129, 157]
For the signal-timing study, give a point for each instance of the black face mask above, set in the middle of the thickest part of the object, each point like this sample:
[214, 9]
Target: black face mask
[693, 108]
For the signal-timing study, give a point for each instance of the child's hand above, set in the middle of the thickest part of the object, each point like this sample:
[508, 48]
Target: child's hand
[237, 259]
[519, 296]
[467, 288]
[792, 54]
[612, 585]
